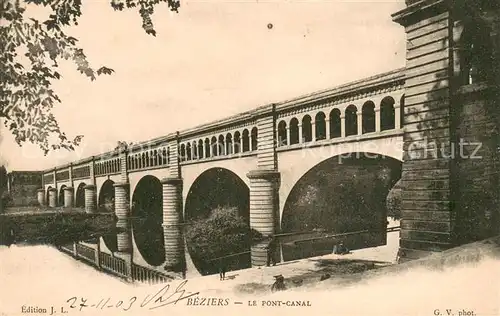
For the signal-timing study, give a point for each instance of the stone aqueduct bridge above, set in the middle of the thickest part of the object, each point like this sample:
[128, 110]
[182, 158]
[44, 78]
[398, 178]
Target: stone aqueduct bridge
[446, 200]
[269, 148]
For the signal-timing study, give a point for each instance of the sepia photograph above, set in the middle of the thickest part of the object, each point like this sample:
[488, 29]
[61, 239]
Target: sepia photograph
[271, 157]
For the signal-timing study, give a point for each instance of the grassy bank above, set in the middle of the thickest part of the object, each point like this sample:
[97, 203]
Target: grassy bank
[34, 225]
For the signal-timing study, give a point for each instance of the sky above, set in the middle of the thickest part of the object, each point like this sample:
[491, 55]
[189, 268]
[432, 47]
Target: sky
[211, 60]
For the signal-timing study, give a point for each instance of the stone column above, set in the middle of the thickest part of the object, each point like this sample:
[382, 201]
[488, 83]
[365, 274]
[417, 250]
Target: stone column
[172, 221]
[122, 209]
[300, 133]
[90, 198]
[52, 197]
[313, 131]
[124, 237]
[397, 116]
[359, 115]
[258, 254]
[40, 195]
[327, 124]
[68, 197]
[342, 125]
[124, 244]
[377, 119]
[264, 186]
[288, 139]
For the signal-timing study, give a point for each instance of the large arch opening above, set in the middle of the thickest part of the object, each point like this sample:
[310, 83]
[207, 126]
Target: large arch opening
[80, 195]
[216, 188]
[340, 195]
[147, 219]
[60, 199]
[106, 201]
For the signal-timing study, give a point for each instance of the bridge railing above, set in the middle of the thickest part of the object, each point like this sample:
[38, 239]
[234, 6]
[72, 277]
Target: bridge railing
[113, 264]
[149, 276]
[85, 252]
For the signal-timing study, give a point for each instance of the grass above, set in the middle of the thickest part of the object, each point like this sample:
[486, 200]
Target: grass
[33, 225]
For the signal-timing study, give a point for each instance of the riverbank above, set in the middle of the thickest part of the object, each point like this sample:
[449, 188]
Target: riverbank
[36, 225]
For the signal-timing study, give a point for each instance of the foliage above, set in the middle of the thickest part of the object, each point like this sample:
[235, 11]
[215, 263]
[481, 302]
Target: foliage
[394, 201]
[26, 96]
[223, 233]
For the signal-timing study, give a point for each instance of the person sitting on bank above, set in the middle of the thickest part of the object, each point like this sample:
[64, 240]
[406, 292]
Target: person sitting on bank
[340, 249]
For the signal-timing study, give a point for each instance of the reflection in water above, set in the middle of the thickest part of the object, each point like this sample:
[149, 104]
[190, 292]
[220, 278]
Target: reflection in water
[115, 255]
[147, 212]
[174, 248]
[148, 236]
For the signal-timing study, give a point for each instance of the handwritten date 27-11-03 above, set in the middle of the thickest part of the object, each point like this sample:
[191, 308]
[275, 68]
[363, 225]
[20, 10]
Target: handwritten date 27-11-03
[165, 296]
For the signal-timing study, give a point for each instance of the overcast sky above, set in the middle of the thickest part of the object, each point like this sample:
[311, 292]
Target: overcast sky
[211, 60]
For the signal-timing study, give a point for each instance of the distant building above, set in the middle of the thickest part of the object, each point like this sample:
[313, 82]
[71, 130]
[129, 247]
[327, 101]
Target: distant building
[22, 188]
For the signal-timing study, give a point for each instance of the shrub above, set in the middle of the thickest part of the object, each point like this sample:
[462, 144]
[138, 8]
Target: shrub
[222, 233]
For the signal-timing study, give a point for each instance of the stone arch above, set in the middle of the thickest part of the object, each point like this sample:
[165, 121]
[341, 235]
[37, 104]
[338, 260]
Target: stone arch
[47, 195]
[320, 126]
[213, 146]
[237, 142]
[147, 214]
[246, 140]
[351, 120]
[200, 149]
[188, 151]
[80, 195]
[254, 139]
[282, 134]
[368, 117]
[208, 150]
[217, 187]
[339, 196]
[229, 144]
[182, 152]
[335, 124]
[60, 198]
[307, 128]
[221, 145]
[294, 131]
[106, 198]
[387, 114]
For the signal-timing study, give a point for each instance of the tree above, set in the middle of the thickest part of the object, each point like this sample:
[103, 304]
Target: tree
[26, 96]
[222, 233]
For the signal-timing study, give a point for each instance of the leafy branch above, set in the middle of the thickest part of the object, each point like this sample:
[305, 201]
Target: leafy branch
[29, 53]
